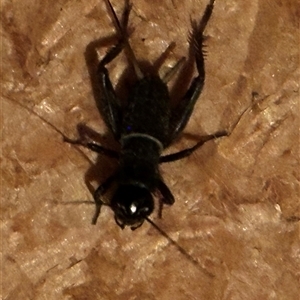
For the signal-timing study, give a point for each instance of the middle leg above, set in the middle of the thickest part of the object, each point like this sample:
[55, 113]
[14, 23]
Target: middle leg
[189, 151]
[85, 139]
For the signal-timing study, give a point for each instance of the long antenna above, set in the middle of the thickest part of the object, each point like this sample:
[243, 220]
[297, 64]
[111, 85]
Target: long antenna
[48, 123]
[179, 248]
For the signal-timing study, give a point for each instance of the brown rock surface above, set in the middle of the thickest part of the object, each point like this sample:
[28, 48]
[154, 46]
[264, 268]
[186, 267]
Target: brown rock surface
[237, 199]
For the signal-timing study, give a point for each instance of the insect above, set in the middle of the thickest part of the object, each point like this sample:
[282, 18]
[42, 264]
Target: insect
[144, 128]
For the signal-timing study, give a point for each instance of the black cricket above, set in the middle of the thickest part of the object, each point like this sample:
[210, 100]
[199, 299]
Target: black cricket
[144, 128]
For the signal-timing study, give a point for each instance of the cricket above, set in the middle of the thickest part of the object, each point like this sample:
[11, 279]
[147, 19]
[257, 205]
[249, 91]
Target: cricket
[146, 126]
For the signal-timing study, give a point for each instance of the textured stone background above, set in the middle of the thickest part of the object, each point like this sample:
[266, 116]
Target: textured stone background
[237, 199]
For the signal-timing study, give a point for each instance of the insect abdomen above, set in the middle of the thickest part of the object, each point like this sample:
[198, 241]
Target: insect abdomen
[148, 111]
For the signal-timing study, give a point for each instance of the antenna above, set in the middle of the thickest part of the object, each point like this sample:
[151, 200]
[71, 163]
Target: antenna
[179, 248]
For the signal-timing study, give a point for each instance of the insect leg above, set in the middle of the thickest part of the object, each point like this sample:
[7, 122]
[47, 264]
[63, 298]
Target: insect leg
[98, 193]
[110, 106]
[188, 151]
[182, 112]
[122, 30]
[86, 140]
[94, 147]
[122, 33]
[167, 196]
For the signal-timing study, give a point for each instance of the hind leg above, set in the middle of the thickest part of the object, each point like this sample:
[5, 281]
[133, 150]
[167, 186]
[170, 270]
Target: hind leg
[182, 112]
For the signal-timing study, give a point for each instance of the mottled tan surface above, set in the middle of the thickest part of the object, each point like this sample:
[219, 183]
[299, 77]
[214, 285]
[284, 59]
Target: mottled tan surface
[237, 199]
